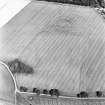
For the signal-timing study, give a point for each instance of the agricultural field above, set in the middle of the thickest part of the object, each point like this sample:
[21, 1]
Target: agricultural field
[64, 44]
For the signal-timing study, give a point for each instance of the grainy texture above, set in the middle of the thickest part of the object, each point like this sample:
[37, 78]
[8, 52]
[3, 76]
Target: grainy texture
[63, 43]
[24, 99]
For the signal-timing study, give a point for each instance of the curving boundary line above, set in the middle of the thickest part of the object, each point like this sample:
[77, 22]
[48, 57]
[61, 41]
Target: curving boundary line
[8, 70]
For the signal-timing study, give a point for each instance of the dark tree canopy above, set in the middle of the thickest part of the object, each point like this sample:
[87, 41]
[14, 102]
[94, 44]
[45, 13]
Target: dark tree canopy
[93, 3]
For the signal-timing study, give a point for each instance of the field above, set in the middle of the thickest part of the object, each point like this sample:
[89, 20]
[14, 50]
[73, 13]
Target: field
[65, 44]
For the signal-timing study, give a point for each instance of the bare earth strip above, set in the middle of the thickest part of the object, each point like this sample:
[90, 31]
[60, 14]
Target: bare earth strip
[63, 43]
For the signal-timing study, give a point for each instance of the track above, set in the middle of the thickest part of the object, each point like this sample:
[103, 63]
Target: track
[29, 99]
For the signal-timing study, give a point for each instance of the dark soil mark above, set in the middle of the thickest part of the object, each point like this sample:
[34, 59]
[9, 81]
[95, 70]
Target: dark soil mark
[16, 66]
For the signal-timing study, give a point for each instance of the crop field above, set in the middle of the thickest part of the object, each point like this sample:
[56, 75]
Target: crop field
[64, 44]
